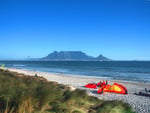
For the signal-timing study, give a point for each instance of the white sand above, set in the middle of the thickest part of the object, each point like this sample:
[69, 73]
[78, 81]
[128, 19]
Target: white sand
[140, 104]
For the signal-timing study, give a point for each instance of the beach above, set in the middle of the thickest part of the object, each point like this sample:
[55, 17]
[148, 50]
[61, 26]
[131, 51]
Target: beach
[139, 103]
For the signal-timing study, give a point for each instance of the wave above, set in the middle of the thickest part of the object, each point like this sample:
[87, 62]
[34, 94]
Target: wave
[18, 65]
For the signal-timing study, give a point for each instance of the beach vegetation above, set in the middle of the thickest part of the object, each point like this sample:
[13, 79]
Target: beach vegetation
[20, 93]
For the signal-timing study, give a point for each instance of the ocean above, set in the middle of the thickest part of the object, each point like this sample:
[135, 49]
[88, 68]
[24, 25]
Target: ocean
[138, 71]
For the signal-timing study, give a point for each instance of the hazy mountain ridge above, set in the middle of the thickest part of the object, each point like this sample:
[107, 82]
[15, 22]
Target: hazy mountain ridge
[73, 56]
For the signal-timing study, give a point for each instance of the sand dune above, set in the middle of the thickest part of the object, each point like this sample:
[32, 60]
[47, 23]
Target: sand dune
[139, 103]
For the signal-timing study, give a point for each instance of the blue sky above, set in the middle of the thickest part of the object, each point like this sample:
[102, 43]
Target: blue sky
[118, 29]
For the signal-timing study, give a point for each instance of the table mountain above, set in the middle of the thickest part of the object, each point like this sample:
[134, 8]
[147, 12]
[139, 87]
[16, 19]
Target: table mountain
[73, 56]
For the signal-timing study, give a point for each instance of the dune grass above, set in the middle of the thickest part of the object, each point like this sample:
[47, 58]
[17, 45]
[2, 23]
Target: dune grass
[32, 94]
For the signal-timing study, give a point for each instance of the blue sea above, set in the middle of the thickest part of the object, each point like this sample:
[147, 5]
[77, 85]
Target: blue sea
[120, 70]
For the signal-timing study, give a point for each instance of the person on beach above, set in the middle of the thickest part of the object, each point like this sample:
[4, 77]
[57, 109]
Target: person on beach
[36, 75]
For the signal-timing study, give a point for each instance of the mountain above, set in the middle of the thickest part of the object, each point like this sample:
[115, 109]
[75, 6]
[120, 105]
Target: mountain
[102, 58]
[72, 56]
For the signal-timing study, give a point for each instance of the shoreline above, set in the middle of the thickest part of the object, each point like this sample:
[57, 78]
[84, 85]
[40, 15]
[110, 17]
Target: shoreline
[82, 76]
[139, 103]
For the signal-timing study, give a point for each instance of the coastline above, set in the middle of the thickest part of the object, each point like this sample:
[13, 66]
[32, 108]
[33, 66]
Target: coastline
[139, 103]
[95, 78]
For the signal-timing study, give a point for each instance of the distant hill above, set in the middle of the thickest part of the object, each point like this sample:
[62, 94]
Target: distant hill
[73, 56]
[102, 58]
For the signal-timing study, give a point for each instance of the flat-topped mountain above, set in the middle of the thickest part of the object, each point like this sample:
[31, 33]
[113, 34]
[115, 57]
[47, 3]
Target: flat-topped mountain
[73, 56]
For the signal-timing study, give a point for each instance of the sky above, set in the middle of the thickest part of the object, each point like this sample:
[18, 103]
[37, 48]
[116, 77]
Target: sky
[118, 29]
